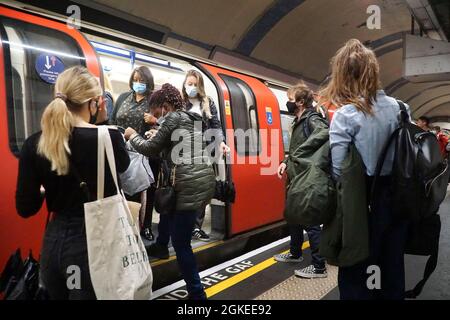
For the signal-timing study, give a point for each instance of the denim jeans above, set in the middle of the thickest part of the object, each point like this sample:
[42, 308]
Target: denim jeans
[164, 230]
[387, 239]
[314, 239]
[64, 253]
[181, 224]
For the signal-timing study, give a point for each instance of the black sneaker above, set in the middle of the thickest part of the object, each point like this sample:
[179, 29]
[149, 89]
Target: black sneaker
[158, 251]
[201, 235]
[311, 272]
[146, 233]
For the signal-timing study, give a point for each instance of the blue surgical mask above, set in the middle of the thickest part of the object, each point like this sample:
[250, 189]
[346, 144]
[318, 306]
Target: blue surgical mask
[139, 87]
[191, 91]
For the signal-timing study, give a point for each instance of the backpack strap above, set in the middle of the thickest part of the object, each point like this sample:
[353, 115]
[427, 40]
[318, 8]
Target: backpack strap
[403, 117]
[307, 123]
[429, 269]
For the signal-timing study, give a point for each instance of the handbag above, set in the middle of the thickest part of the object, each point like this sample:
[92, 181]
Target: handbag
[165, 196]
[20, 279]
[118, 262]
[224, 190]
[138, 176]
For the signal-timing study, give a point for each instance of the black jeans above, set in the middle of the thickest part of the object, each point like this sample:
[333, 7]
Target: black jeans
[387, 239]
[314, 240]
[154, 165]
[64, 260]
[200, 218]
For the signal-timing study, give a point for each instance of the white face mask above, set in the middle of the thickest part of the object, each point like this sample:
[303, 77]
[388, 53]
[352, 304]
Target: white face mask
[191, 91]
[161, 119]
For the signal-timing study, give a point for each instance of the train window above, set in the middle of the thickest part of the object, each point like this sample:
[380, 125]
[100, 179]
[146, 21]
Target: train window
[244, 115]
[29, 92]
[286, 124]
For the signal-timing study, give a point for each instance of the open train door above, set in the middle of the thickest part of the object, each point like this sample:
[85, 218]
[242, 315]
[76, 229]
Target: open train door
[33, 51]
[252, 122]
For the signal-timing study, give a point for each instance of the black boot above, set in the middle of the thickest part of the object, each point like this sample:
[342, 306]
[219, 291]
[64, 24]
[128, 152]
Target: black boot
[158, 251]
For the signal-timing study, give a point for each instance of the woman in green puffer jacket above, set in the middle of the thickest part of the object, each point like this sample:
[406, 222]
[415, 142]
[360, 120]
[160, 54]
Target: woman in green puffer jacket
[180, 140]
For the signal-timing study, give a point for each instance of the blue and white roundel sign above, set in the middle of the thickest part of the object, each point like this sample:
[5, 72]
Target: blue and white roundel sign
[48, 67]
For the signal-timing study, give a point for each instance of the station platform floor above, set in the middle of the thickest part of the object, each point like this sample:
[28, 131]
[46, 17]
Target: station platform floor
[257, 276]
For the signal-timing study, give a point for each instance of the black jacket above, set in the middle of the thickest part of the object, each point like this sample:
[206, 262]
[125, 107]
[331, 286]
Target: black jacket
[209, 117]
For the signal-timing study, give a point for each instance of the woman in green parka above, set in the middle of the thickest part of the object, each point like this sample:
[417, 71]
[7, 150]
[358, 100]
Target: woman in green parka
[194, 175]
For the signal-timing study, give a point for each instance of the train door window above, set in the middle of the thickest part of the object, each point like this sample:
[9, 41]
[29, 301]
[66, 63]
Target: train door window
[28, 93]
[244, 115]
[286, 125]
[286, 118]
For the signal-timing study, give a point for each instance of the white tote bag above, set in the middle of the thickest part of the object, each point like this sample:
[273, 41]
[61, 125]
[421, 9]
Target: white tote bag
[118, 262]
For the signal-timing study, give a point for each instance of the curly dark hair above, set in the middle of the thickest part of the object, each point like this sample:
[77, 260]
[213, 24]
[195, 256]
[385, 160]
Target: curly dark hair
[167, 94]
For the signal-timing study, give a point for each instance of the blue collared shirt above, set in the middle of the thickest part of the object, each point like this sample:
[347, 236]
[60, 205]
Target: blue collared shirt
[369, 133]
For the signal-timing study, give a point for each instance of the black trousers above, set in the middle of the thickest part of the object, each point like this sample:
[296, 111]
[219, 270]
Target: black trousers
[64, 259]
[297, 239]
[387, 239]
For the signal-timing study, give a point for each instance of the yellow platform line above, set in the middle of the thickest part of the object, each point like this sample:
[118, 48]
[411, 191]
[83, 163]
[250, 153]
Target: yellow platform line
[198, 249]
[215, 289]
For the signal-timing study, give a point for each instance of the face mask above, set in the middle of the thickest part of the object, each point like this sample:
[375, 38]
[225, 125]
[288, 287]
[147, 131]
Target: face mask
[93, 118]
[191, 91]
[139, 88]
[161, 119]
[291, 106]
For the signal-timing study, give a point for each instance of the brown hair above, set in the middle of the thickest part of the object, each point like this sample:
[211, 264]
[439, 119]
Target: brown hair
[146, 75]
[355, 77]
[302, 92]
[73, 88]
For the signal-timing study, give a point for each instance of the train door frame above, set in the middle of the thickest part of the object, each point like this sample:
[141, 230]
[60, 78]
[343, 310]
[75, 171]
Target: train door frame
[266, 102]
[26, 234]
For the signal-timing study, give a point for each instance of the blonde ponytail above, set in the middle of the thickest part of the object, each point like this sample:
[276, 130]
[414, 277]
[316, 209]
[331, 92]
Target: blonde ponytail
[56, 123]
[73, 88]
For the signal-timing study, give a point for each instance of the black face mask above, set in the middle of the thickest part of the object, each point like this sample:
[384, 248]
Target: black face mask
[291, 106]
[93, 118]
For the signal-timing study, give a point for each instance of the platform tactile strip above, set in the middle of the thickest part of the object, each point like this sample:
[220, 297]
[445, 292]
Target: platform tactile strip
[296, 288]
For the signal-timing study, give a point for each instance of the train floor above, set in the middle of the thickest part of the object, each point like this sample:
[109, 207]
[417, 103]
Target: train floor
[257, 276]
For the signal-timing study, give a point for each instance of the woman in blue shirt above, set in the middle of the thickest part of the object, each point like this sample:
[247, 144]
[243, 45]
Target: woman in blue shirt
[366, 117]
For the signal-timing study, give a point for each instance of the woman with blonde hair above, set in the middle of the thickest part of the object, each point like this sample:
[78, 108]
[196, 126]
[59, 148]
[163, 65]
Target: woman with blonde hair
[366, 117]
[197, 101]
[62, 158]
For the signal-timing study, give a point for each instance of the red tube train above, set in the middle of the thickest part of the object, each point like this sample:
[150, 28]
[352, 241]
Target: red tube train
[36, 47]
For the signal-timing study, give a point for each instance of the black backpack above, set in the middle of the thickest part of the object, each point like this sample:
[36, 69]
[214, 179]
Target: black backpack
[307, 123]
[420, 177]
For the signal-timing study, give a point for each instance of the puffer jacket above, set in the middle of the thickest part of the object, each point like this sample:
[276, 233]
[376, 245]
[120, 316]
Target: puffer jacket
[183, 146]
[302, 146]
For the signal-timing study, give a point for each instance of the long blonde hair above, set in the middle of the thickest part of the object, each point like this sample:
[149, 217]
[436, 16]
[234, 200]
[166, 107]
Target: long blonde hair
[201, 95]
[74, 87]
[355, 77]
